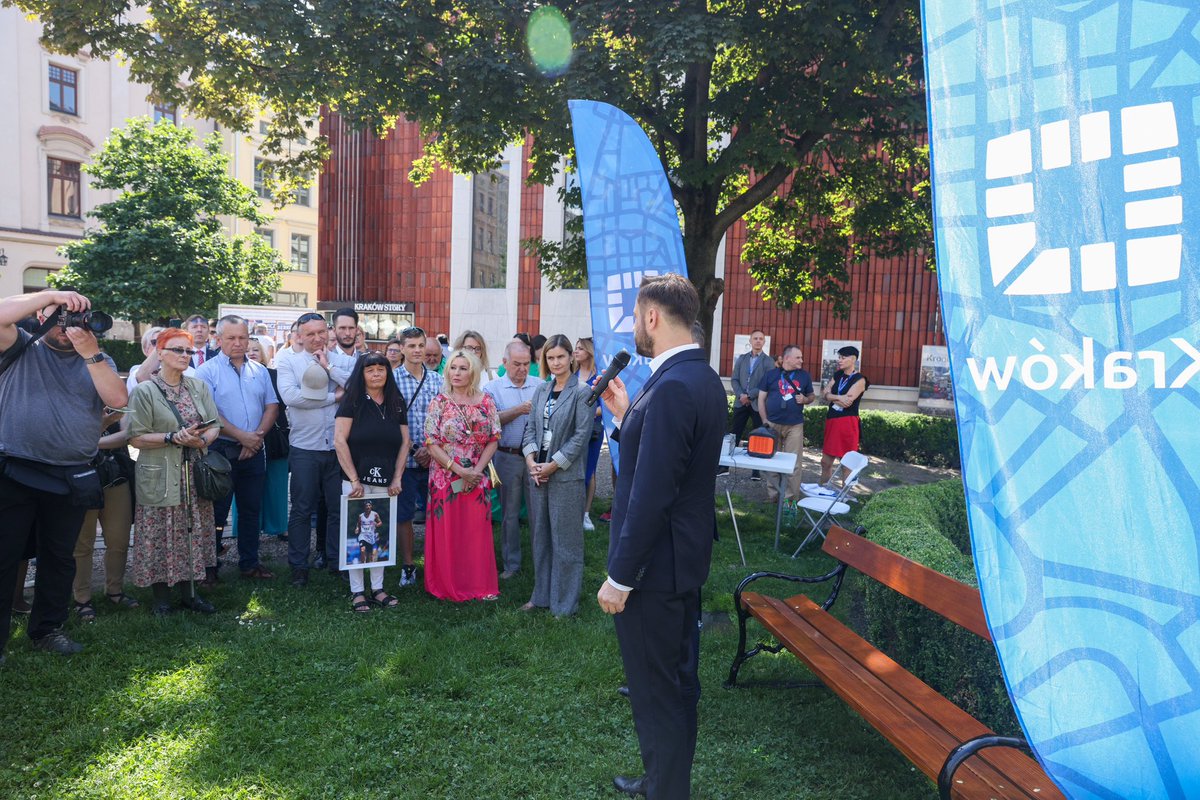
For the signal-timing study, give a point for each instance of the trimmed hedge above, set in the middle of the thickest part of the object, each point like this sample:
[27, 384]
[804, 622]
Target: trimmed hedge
[928, 524]
[900, 436]
[126, 354]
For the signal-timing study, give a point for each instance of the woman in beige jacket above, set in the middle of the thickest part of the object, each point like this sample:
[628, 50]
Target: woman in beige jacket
[174, 526]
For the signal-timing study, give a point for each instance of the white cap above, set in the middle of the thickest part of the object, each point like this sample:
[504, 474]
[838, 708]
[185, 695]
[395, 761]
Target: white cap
[314, 384]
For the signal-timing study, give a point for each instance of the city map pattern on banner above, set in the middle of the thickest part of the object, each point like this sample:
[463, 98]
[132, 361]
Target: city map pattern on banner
[630, 226]
[1066, 191]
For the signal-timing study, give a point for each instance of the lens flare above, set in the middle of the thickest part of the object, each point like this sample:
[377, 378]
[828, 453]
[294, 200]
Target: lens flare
[548, 38]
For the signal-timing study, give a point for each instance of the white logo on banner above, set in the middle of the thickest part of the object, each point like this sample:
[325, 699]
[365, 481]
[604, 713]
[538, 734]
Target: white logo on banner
[622, 294]
[1150, 259]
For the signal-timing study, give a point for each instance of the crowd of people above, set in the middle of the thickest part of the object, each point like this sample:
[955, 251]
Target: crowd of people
[302, 423]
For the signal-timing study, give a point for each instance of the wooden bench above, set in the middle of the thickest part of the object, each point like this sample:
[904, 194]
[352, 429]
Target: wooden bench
[964, 757]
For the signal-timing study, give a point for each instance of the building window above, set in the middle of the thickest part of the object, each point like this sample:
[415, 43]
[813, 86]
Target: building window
[62, 179]
[267, 234]
[303, 197]
[260, 183]
[35, 279]
[300, 262]
[167, 112]
[489, 249]
[263, 126]
[63, 85]
[294, 299]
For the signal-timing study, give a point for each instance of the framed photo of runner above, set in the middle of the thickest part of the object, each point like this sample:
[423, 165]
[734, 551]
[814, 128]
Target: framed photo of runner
[368, 534]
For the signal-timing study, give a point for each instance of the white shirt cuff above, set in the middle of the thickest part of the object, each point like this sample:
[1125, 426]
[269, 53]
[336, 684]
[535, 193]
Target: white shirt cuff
[618, 586]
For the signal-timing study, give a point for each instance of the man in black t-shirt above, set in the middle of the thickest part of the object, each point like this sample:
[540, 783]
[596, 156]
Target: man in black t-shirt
[782, 396]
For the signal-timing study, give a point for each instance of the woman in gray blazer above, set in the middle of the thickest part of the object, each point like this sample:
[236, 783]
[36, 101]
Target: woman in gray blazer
[555, 448]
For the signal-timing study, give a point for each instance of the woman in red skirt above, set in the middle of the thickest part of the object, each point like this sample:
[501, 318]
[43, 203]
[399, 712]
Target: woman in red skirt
[843, 392]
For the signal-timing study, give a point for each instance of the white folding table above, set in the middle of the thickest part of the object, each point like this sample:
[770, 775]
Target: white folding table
[782, 464]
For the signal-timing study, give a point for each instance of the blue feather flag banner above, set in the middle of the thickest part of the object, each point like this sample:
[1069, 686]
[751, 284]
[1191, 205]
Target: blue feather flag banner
[1066, 192]
[630, 228]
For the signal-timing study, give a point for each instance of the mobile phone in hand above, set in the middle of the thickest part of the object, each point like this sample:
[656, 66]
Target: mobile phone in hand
[203, 426]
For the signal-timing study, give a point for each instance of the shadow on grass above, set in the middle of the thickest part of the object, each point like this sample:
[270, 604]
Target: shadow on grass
[286, 693]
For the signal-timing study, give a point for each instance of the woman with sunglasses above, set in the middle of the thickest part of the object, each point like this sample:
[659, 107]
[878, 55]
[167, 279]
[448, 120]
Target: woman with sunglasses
[174, 541]
[474, 343]
[370, 436]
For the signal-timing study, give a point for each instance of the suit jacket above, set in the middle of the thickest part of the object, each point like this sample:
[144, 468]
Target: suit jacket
[664, 516]
[570, 428]
[746, 382]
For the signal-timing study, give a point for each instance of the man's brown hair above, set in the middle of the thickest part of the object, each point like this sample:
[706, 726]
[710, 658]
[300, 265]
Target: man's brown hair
[672, 294]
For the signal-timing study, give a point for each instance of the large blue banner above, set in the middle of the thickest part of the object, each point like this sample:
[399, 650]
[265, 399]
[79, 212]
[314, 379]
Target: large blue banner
[1064, 150]
[630, 227]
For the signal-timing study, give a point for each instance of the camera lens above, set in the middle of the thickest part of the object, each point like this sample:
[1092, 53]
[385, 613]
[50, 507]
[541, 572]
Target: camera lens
[97, 321]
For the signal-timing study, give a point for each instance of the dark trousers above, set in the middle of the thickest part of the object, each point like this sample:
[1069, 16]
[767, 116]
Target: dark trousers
[742, 415]
[23, 511]
[659, 637]
[315, 473]
[249, 477]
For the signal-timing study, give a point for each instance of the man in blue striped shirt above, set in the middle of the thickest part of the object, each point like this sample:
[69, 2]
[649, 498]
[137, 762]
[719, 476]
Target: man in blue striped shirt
[419, 385]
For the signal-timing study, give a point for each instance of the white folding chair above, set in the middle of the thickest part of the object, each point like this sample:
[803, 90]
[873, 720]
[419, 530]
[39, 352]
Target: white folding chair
[830, 508]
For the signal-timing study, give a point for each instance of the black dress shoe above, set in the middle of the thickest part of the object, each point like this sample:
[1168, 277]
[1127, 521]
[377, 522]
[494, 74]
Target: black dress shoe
[299, 577]
[631, 786]
[623, 691]
[198, 604]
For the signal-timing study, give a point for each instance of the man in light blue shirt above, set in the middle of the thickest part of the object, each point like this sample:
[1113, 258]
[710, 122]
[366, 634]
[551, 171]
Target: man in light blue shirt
[309, 388]
[512, 393]
[246, 407]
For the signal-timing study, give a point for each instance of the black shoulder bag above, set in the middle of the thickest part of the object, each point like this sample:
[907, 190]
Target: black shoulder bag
[214, 473]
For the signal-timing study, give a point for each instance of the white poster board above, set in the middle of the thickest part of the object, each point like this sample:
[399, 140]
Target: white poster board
[829, 348]
[935, 393]
[277, 319]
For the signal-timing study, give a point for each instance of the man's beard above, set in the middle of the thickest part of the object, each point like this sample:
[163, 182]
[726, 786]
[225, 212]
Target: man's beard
[346, 345]
[643, 342]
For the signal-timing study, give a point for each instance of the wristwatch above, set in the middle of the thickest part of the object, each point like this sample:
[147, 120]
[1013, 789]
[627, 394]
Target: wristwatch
[96, 359]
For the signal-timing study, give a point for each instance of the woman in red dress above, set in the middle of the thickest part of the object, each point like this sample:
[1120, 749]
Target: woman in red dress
[462, 431]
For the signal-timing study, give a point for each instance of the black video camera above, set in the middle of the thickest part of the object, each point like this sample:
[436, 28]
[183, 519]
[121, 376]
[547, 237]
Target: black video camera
[95, 321]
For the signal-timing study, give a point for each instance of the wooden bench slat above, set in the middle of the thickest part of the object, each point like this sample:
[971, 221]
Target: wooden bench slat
[1020, 769]
[939, 593]
[920, 739]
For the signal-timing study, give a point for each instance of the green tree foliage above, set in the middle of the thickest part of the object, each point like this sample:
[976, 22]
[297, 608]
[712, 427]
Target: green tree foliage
[738, 96]
[161, 250]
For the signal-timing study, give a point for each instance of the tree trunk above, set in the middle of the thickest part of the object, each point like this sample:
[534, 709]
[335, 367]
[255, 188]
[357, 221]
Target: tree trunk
[701, 255]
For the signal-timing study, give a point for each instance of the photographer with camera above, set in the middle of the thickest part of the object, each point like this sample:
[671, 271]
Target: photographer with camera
[53, 391]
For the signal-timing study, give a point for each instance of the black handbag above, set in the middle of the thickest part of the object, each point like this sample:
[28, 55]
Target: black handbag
[214, 473]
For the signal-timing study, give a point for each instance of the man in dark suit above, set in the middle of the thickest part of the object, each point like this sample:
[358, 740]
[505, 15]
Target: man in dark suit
[663, 523]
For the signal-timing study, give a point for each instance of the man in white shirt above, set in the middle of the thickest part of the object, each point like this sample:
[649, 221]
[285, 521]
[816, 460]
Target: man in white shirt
[512, 392]
[310, 392]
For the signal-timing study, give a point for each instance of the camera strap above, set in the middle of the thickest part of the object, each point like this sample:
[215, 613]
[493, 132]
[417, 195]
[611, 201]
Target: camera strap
[12, 355]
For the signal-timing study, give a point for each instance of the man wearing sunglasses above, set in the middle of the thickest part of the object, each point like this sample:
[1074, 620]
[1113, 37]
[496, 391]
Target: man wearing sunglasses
[52, 395]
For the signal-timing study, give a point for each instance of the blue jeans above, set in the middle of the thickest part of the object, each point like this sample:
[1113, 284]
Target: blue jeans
[249, 477]
[315, 474]
[414, 487]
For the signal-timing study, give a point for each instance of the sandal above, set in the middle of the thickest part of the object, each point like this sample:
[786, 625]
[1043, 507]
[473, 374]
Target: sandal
[122, 599]
[85, 611]
[383, 599]
[359, 604]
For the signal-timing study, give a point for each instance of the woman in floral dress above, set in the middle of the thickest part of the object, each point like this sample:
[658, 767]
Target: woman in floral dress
[462, 430]
[173, 540]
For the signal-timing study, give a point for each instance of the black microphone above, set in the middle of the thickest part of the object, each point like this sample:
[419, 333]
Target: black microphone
[620, 361]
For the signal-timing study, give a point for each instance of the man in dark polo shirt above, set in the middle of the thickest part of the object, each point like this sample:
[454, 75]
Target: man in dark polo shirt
[782, 396]
[53, 397]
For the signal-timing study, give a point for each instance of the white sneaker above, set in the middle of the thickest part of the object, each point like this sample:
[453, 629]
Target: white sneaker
[408, 576]
[587, 522]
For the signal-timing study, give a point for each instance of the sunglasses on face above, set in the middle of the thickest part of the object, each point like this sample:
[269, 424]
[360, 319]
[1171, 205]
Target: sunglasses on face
[309, 317]
[180, 351]
[413, 331]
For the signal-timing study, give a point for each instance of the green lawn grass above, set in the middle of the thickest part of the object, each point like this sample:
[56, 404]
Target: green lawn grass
[285, 693]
